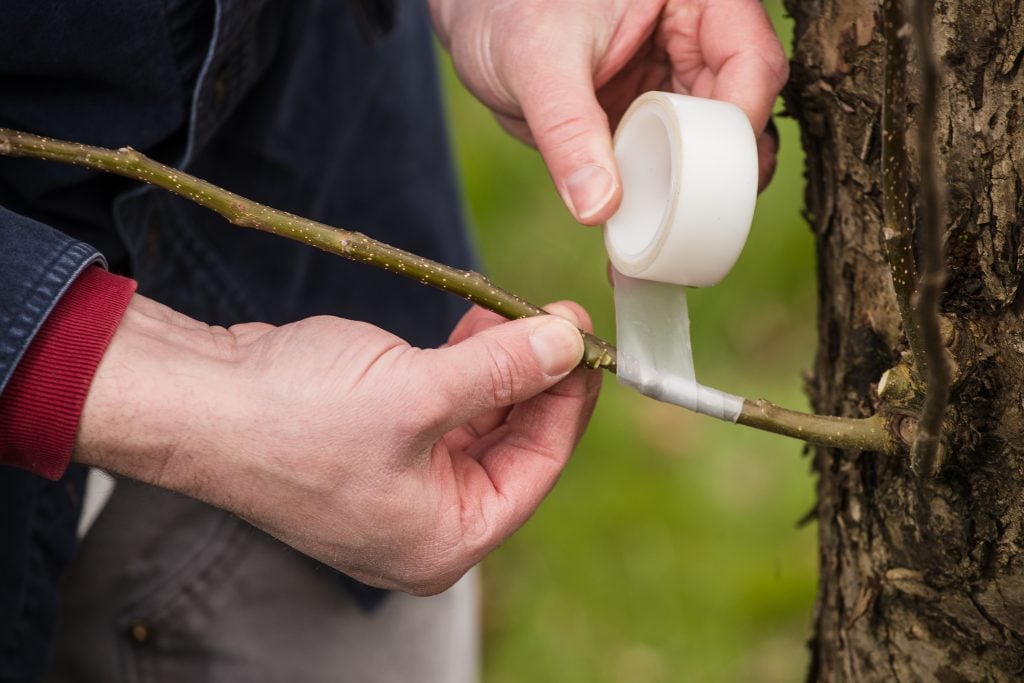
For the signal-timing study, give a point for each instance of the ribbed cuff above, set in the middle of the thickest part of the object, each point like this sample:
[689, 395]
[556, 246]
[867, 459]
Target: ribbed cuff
[41, 405]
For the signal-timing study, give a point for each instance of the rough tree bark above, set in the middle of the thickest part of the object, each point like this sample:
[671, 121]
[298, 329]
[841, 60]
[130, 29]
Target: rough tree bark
[921, 579]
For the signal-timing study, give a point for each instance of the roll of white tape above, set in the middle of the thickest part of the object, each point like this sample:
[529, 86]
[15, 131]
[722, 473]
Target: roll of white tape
[689, 183]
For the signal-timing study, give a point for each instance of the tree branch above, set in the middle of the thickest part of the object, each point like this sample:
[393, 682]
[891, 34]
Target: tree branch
[873, 433]
[896, 230]
[930, 239]
[870, 433]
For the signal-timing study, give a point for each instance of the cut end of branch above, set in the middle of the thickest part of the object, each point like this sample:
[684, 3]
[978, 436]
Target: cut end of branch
[597, 353]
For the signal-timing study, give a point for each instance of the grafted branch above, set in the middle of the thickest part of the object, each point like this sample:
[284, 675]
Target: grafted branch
[930, 240]
[896, 230]
[873, 433]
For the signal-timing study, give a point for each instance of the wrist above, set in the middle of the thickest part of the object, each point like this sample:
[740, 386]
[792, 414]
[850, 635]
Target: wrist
[41, 405]
[152, 409]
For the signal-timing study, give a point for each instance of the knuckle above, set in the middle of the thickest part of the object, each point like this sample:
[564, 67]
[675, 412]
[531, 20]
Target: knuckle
[477, 529]
[779, 65]
[504, 374]
[564, 133]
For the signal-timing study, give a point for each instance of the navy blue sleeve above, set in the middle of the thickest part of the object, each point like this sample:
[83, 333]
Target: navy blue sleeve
[37, 516]
[37, 264]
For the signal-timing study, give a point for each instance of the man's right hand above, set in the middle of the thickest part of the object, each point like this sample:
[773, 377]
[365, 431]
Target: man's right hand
[399, 466]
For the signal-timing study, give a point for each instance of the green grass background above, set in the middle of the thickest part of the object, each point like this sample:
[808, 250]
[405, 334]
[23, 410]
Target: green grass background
[669, 549]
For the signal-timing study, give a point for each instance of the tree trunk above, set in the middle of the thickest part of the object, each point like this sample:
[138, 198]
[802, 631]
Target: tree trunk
[922, 579]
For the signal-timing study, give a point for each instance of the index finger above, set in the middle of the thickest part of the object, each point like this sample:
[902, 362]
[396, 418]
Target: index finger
[740, 47]
[520, 462]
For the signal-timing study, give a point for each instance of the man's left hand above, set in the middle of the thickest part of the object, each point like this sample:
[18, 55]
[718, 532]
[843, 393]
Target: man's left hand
[559, 73]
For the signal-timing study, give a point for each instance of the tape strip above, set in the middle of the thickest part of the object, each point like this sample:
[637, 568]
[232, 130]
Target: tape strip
[654, 353]
[689, 177]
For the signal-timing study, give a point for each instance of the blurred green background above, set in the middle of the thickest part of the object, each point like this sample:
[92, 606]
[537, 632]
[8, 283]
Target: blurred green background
[669, 549]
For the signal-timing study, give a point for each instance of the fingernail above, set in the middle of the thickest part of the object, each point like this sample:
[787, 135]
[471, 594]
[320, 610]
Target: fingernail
[590, 188]
[557, 345]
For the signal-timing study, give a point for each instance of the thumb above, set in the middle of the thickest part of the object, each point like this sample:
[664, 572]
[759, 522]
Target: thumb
[501, 366]
[570, 128]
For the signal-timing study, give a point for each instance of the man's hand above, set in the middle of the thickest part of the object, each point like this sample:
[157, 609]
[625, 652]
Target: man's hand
[557, 72]
[400, 466]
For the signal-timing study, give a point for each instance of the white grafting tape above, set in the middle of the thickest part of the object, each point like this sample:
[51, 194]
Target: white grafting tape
[689, 183]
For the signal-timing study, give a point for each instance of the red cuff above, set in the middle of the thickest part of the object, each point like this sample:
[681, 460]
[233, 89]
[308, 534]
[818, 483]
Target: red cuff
[41, 405]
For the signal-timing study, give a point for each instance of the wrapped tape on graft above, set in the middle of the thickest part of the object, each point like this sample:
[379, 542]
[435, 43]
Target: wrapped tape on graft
[689, 179]
[653, 336]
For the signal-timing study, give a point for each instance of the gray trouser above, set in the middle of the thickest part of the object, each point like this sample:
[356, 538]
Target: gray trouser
[168, 589]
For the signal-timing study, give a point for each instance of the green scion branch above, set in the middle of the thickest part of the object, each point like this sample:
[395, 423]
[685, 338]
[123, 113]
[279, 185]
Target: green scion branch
[870, 434]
